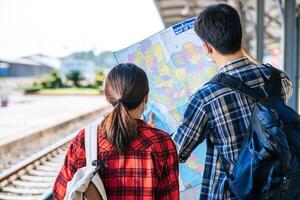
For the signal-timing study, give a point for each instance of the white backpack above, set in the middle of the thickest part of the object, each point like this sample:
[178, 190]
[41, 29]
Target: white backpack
[86, 175]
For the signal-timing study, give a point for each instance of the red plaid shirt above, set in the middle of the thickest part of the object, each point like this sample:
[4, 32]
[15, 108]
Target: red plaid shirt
[147, 170]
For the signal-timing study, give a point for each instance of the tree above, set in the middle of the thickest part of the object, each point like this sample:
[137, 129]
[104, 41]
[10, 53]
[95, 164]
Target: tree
[56, 79]
[53, 80]
[75, 76]
[100, 76]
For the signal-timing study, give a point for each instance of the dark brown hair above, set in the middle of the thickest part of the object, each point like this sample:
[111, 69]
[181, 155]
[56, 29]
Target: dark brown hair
[220, 26]
[126, 87]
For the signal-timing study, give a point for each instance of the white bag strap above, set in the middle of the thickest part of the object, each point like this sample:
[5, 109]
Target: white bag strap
[91, 143]
[91, 147]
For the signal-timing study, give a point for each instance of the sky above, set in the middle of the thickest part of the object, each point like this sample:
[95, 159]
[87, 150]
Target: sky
[60, 27]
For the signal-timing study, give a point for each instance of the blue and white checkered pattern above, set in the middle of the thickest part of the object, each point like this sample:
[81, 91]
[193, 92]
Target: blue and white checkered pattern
[221, 116]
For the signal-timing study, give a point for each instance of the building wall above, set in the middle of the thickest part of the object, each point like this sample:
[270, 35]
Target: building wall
[25, 70]
[3, 69]
[86, 67]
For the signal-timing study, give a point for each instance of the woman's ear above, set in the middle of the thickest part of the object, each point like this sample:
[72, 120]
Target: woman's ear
[146, 98]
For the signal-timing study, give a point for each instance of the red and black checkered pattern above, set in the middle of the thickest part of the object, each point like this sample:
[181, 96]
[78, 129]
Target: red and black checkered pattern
[147, 170]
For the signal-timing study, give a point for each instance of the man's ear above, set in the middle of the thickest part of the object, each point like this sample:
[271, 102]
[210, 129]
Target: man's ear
[208, 48]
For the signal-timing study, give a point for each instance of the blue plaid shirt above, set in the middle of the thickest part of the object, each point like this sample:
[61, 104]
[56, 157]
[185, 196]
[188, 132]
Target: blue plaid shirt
[221, 116]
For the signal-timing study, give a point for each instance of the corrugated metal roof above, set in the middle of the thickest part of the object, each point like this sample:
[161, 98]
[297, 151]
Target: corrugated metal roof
[173, 11]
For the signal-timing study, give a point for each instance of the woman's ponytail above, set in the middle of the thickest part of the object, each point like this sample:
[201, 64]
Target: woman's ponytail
[119, 128]
[126, 87]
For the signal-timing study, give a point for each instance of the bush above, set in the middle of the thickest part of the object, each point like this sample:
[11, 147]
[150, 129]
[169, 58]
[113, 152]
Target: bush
[99, 81]
[56, 80]
[100, 77]
[101, 89]
[48, 82]
[91, 86]
[52, 81]
[34, 88]
[75, 76]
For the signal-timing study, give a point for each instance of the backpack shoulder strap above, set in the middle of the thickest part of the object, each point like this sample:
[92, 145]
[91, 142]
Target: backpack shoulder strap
[235, 84]
[274, 84]
[91, 143]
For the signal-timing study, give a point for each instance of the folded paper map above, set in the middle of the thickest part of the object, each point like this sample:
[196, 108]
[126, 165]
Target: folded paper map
[176, 66]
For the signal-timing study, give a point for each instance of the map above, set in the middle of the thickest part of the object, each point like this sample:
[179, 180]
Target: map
[176, 66]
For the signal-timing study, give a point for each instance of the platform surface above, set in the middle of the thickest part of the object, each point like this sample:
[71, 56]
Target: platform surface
[30, 113]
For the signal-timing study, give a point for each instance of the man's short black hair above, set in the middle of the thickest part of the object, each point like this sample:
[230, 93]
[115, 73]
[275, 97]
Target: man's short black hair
[220, 26]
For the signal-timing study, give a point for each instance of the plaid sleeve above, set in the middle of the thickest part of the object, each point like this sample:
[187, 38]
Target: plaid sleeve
[286, 87]
[189, 133]
[168, 186]
[75, 159]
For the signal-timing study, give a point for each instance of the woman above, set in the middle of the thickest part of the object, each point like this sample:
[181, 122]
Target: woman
[142, 161]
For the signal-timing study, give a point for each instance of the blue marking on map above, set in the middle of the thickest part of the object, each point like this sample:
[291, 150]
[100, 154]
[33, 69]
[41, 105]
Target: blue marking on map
[183, 26]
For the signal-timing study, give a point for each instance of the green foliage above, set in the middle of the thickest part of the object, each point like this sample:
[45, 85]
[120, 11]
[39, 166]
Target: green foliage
[34, 88]
[57, 82]
[99, 82]
[90, 86]
[100, 77]
[52, 81]
[101, 89]
[75, 76]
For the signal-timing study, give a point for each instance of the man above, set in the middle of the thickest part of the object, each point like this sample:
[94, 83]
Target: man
[217, 113]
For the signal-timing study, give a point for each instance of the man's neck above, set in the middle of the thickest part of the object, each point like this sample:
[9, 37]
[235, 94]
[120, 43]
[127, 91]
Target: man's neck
[221, 60]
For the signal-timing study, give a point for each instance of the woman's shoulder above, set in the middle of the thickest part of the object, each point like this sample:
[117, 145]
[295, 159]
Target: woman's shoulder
[77, 144]
[155, 137]
[152, 131]
[79, 137]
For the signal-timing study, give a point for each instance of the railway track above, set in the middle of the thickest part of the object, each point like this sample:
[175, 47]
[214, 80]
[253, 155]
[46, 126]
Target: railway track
[33, 178]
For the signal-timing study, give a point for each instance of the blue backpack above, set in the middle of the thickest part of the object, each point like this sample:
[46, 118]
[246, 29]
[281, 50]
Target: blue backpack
[268, 165]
